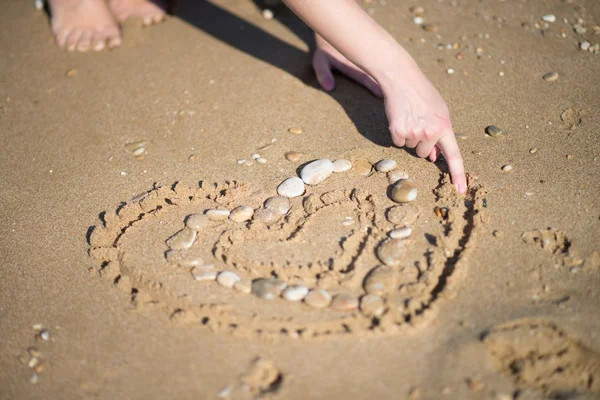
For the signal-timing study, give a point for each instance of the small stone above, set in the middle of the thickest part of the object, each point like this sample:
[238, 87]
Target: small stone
[265, 216]
[584, 45]
[404, 191]
[498, 233]
[33, 361]
[190, 261]
[227, 279]
[385, 165]
[450, 71]
[402, 215]
[363, 167]
[34, 352]
[291, 187]
[34, 379]
[395, 176]
[391, 252]
[241, 161]
[139, 151]
[39, 368]
[533, 150]
[418, 20]
[71, 72]
[400, 233]
[475, 384]
[261, 160]
[255, 156]
[267, 14]
[295, 293]
[268, 289]
[507, 168]
[381, 280]
[243, 286]
[341, 165]
[550, 76]
[197, 222]
[429, 28]
[372, 305]
[217, 214]
[293, 156]
[204, 272]
[182, 240]
[295, 131]
[494, 131]
[416, 10]
[316, 171]
[348, 221]
[45, 335]
[318, 298]
[241, 214]
[278, 204]
[344, 302]
[549, 18]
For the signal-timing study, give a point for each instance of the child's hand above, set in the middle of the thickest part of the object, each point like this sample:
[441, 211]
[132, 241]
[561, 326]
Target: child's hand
[326, 59]
[419, 119]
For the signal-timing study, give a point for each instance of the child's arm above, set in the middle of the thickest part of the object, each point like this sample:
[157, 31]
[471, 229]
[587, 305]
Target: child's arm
[418, 116]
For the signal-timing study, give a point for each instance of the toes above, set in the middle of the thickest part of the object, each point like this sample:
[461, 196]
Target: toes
[98, 42]
[114, 42]
[61, 38]
[85, 42]
[72, 40]
[158, 18]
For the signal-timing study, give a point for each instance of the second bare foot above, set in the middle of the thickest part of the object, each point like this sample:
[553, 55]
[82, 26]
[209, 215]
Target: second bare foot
[149, 11]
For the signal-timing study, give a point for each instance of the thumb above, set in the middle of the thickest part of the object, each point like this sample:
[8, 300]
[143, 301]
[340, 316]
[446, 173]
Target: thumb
[323, 72]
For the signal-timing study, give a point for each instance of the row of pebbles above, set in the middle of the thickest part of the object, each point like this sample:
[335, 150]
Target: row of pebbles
[379, 282]
[35, 359]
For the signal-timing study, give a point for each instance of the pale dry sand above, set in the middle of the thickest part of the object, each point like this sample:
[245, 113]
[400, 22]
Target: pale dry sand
[219, 82]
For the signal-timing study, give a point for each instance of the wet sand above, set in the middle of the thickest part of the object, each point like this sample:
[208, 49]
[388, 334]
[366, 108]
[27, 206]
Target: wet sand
[219, 81]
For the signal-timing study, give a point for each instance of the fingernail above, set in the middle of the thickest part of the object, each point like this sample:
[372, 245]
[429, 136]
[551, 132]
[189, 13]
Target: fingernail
[462, 189]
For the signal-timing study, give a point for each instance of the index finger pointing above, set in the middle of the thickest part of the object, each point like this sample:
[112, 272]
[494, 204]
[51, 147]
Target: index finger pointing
[449, 148]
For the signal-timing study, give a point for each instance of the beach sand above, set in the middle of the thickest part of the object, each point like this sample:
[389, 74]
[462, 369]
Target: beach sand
[498, 296]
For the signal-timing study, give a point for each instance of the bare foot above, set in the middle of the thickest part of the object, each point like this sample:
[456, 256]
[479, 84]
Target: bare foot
[149, 11]
[83, 25]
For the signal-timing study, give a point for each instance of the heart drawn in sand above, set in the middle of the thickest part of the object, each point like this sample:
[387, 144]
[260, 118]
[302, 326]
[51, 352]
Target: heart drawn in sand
[321, 265]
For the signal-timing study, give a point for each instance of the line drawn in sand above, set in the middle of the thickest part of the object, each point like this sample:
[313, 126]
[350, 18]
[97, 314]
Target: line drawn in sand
[361, 282]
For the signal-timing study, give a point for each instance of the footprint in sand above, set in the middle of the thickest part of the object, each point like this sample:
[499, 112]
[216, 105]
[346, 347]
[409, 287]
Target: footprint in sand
[537, 354]
[317, 264]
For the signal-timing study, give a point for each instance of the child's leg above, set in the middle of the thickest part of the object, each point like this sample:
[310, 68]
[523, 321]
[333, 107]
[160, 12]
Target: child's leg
[151, 12]
[83, 25]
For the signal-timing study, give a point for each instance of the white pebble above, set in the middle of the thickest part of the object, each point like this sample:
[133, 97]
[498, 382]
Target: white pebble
[241, 214]
[182, 240]
[341, 165]
[261, 160]
[549, 18]
[400, 233]
[217, 214]
[227, 279]
[418, 20]
[139, 151]
[267, 14]
[241, 161]
[295, 293]
[291, 187]
[449, 71]
[348, 221]
[197, 222]
[385, 165]
[507, 168]
[500, 73]
[255, 156]
[316, 171]
[395, 176]
[204, 273]
[584, 45]
[45, 335]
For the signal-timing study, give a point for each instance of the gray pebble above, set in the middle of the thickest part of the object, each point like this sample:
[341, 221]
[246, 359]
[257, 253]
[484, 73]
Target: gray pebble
[391, 252]
[381, 280]
[318, 298]
[268, 289]
[278, 204]
[182, 240]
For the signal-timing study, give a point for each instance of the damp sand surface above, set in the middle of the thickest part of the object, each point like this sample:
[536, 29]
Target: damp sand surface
[511, 272]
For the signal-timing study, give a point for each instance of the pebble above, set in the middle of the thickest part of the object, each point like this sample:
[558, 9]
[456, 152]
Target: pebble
[550, 76]
[293, 156]
[400, 233]
[204, 272]
[295, 131]
[268, 289]
[217, 214]
[391, 252]
[549, 18]
[190, 261]
[380, 281]
[386, 165]
[241, 214]
[316, 171]
[533, 150]
[295, 293]
[265, 216]
[363, 167]
[39, 4]
[348, 221]
[267, 14]
[45, 335]
[278, 204]
[584, 45]
[139, 151]
[34, 379]
[182, 240]
[341, 165]
[197, 222]
[395, 176]
[404, 191]
[507, 168]
[494, 131]
[372, 305]
[243, 286]
[318, 298]
[241, 161]
[291, 187]
[34, 352]
[450, 71]
[429, 28]
[418, 20]
[261, 160]
[227, 279]
[344, 302]
[402, 215]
